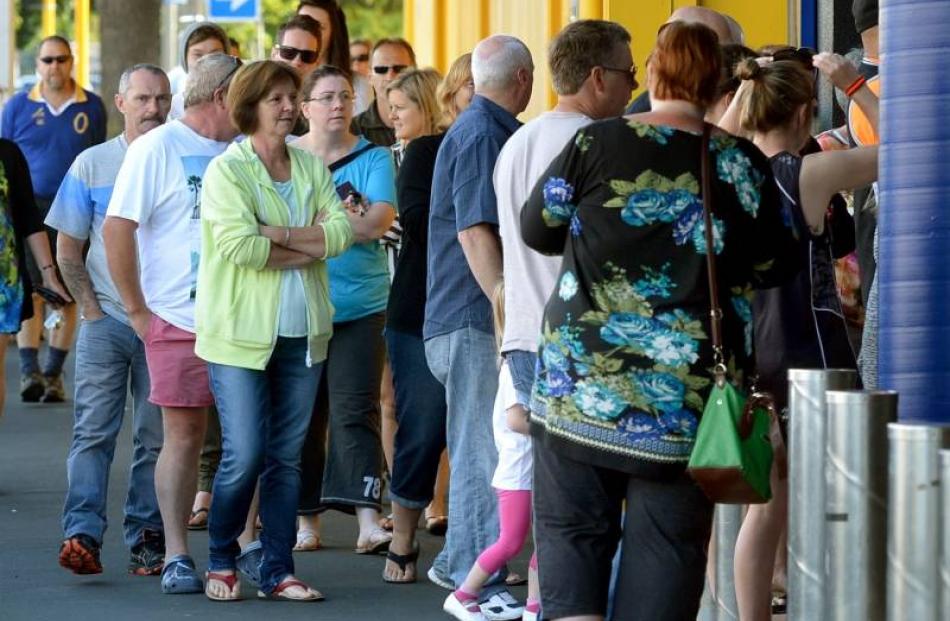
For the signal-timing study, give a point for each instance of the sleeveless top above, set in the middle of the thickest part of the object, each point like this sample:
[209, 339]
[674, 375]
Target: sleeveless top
[801, 324]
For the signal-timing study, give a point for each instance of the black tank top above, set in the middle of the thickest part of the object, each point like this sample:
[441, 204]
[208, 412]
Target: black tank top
[801, 324]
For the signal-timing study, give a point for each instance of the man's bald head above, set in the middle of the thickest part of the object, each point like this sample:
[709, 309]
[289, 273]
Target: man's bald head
[707, 17]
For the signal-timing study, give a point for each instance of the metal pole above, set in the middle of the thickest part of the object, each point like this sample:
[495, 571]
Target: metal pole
[726, 527]
[856, 503]
[806, 486]
[81, 23]
[913, 514]
[945, 534]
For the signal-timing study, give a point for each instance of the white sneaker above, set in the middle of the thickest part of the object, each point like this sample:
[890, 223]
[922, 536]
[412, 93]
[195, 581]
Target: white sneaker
[438, 580]
[462, 612]
[501, 606]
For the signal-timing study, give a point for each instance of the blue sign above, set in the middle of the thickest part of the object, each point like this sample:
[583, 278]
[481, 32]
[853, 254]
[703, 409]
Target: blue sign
[234, 10]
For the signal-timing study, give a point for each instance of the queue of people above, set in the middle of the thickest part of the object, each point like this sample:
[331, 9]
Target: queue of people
[306, 287]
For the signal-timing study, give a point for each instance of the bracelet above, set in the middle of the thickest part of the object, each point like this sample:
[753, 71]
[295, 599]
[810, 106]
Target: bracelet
[287, 237]
[855, 86]
[48, 267]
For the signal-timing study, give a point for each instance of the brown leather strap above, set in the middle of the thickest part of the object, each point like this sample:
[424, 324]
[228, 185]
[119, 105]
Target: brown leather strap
[715, 311]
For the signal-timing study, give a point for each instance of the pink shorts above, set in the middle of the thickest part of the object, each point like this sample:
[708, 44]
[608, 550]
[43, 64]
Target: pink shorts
[179, 378]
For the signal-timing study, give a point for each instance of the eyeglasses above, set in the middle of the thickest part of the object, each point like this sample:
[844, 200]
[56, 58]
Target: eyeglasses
[289, 53]
[224, 81]
[361, 58]
[327, 99]
[61, 59]
[631, 73]
[384, 69]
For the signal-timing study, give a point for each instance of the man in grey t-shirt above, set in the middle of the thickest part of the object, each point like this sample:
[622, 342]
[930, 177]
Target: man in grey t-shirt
[110, 358]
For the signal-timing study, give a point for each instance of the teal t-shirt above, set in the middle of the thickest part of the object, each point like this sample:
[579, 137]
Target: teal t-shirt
[292, 313]
[359, 278]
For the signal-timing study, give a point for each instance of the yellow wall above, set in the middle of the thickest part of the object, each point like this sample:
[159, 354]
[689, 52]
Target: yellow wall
[441, 30]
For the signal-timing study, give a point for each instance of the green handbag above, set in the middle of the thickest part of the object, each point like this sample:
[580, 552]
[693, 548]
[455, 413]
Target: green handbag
[731, 459]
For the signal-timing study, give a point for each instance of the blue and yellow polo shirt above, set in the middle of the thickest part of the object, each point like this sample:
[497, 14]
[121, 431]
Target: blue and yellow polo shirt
[50, 139]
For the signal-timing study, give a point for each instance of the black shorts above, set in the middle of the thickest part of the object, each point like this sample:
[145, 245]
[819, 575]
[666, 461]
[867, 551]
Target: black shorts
[578, 509]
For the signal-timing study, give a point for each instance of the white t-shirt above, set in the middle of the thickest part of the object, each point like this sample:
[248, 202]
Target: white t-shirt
[159, 186]
[515, 462]
[530, 277]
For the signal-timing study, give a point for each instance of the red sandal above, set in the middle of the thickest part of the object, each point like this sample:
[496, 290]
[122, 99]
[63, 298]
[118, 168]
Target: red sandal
[278, 593]
[229, 580]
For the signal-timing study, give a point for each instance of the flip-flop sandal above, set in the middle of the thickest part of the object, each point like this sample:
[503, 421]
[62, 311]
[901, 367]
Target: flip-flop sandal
[402, 560]
[198, 519]
[437, 525]
[386, 523]
[378, 542]
[278, 593]
[307, 541]
[514, 579]
[229, 580]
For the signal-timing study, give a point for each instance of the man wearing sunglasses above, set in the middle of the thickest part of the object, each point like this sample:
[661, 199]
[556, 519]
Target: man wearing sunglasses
[51, 124]
[298, 44]
[390, 58]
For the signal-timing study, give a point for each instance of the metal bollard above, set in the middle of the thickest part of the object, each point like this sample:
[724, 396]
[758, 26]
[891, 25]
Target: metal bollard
[945, 534]
[856, 503]
[913, 514]
[806, 486]
[726, 530]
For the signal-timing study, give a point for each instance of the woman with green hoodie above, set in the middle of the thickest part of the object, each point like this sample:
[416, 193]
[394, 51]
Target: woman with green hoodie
[270, 217]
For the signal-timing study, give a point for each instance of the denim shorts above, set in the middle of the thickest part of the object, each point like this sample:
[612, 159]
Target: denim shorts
[523, 366]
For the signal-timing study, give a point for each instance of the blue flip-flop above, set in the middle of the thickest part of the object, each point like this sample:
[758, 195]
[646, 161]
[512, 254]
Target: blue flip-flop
[248, 562]
[180, 576]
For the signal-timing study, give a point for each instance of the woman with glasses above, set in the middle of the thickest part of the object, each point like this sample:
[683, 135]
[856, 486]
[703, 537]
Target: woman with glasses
[346, 473]
[270, 219]
[800, 324]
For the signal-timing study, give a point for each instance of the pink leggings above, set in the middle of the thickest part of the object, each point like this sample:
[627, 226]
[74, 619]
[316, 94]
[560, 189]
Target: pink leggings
[514, 514]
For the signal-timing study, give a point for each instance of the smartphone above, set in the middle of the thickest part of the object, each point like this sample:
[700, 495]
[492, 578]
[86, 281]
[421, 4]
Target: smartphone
[346, 190]
[50, 296]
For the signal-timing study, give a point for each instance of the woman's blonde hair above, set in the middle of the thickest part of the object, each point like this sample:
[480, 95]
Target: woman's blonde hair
[460, 74]
[777, 92]
[419, 86]
[498, 312]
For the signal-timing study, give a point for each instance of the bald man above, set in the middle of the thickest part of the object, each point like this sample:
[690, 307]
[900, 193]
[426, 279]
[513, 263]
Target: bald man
[726, 28]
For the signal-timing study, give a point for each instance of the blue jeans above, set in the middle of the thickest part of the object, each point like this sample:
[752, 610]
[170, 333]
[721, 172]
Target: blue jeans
[420, 413]
[465, 362]
[110, 362]
[264, 417]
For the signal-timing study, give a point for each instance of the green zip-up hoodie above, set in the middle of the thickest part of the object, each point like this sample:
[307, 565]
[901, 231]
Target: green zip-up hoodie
[236, 307]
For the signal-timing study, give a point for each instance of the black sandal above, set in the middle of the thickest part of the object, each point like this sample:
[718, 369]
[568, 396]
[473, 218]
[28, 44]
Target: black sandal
[402, 560]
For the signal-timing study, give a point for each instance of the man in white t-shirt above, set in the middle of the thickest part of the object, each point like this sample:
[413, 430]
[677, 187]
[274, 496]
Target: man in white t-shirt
[593, 74]
[157, 201]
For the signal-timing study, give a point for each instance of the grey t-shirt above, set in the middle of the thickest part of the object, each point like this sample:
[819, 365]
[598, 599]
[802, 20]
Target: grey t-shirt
[79, 210]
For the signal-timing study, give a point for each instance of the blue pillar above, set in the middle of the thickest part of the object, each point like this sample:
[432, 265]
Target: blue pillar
[914, 219]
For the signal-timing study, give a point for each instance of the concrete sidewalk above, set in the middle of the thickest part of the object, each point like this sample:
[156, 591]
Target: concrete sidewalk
[34, 441]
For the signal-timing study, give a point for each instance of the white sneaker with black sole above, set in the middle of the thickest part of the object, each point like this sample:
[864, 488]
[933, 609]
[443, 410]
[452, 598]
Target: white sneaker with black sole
[463, 611]
[501, 606]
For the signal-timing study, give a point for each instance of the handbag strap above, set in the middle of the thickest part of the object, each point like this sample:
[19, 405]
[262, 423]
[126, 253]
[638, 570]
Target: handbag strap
[715, 311]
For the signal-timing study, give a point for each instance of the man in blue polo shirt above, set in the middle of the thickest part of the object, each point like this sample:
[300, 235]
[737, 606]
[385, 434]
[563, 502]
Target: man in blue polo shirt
[51, 124]
[464, 270]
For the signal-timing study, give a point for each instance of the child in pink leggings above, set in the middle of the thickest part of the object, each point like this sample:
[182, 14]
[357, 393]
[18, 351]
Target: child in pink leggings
[512, 483]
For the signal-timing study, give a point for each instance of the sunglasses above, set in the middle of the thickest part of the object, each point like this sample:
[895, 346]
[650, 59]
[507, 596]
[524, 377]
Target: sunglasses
[62, 59]
[361, 58]
[631, 73]
[224, 81]
[289, 53]
[384, 69]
